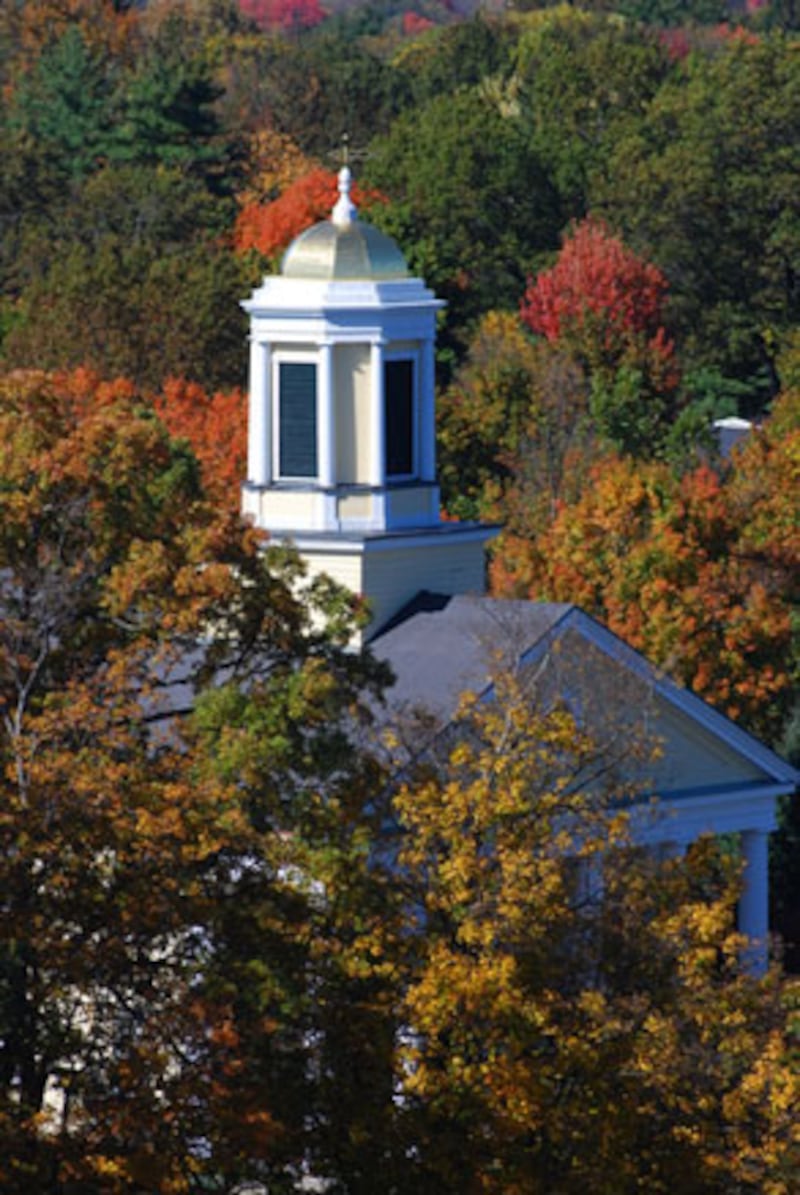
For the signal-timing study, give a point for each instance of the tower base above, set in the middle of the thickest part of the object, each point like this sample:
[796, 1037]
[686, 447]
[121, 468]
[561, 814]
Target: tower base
[392, 567]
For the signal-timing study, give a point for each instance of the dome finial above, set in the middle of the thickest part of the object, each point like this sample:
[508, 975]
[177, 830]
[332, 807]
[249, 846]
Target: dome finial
[345, 211]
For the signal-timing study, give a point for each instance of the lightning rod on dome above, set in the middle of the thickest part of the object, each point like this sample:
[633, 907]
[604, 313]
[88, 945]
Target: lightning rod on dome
[345, 211]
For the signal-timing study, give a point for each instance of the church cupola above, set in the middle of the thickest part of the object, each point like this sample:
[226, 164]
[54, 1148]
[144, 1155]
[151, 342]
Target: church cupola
[341, 441]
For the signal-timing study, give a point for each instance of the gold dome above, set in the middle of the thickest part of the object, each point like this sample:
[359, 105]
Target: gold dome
[343, 248]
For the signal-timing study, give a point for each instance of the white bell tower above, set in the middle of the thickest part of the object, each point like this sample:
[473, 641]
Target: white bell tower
[341, 442]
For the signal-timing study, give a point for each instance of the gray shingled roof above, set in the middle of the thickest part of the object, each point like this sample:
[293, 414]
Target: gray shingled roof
[439, 646]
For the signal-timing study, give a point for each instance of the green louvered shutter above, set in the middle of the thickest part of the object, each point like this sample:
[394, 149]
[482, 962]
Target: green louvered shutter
[399, 399]
[298, 419]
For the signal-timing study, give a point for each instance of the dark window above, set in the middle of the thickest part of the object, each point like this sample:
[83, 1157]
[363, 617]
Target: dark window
[399, 399]
[297, 453]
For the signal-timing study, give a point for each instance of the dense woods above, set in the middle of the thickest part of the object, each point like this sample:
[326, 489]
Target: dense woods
[242, 938]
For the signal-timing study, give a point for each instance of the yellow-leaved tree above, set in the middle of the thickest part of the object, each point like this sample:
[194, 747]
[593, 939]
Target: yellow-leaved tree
[579, 1018]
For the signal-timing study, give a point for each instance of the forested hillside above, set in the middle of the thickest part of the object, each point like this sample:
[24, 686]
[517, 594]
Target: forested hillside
[608, 201]
[608, 198]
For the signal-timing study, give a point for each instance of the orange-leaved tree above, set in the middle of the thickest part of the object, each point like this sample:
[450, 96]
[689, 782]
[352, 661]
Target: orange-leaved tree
[130, 834]
[271, 227]
[215, 426]
[274, 162]
[699, 572]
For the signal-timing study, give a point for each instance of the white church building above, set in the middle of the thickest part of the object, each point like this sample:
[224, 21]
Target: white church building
[341, 462]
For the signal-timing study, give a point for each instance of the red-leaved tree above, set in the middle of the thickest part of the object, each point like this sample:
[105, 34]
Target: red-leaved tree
[604, 305]
[599, 297]
[283, 14]
[414, 23]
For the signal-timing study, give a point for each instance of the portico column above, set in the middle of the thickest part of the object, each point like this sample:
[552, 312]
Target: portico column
[427, 413]
[591, 881]
[754, 901]
[377, 447]
[326, 418]
[259, 415]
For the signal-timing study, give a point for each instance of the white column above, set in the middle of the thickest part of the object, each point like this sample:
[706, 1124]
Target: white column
[326, 418]
[427, 413]
[259, 415]
[377, 449]
[591, 881]
[754, 901]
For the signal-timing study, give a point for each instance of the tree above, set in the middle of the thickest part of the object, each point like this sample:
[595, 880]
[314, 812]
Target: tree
[512, 424]
[605, 305]
[274, 163]
[283, 14]
[64, 105]
[599, 296]
[706, 187]
[314, 89]
[271, 228]
[127, 845]
[216, 428]
[670, 14]
[581, 79]
[143, 284]
[562, 1041]
[469, 203]
[467, 53]
[167, 111]
[684, 569]
[303, 942]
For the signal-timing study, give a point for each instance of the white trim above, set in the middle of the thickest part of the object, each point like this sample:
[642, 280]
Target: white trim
[377, 415]
[279, 296]
[326, 418]
[687, 703]
[427, 410]
[348, 543]
[259, 416]
[685, 818]
[754, 899]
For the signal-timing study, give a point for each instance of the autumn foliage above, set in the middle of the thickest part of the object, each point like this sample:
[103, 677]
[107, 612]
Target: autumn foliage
[604, 306]
[283, 14]
[564, 1040]
[206, 934]
[270, 228]
[216, 428]
[275, 162]
[105, 27]
[414, 23]
[699, 572]
[599, 297]
[237, 950]
[124, 826]
[514, 424]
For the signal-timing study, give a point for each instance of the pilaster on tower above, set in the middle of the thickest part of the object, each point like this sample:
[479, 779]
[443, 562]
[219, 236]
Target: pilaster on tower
[341, 438]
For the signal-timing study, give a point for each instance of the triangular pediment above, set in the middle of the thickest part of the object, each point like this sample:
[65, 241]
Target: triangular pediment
[439, 647]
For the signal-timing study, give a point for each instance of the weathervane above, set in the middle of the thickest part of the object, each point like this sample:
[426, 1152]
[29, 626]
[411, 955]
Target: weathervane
[345, 211]
[345, 153]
